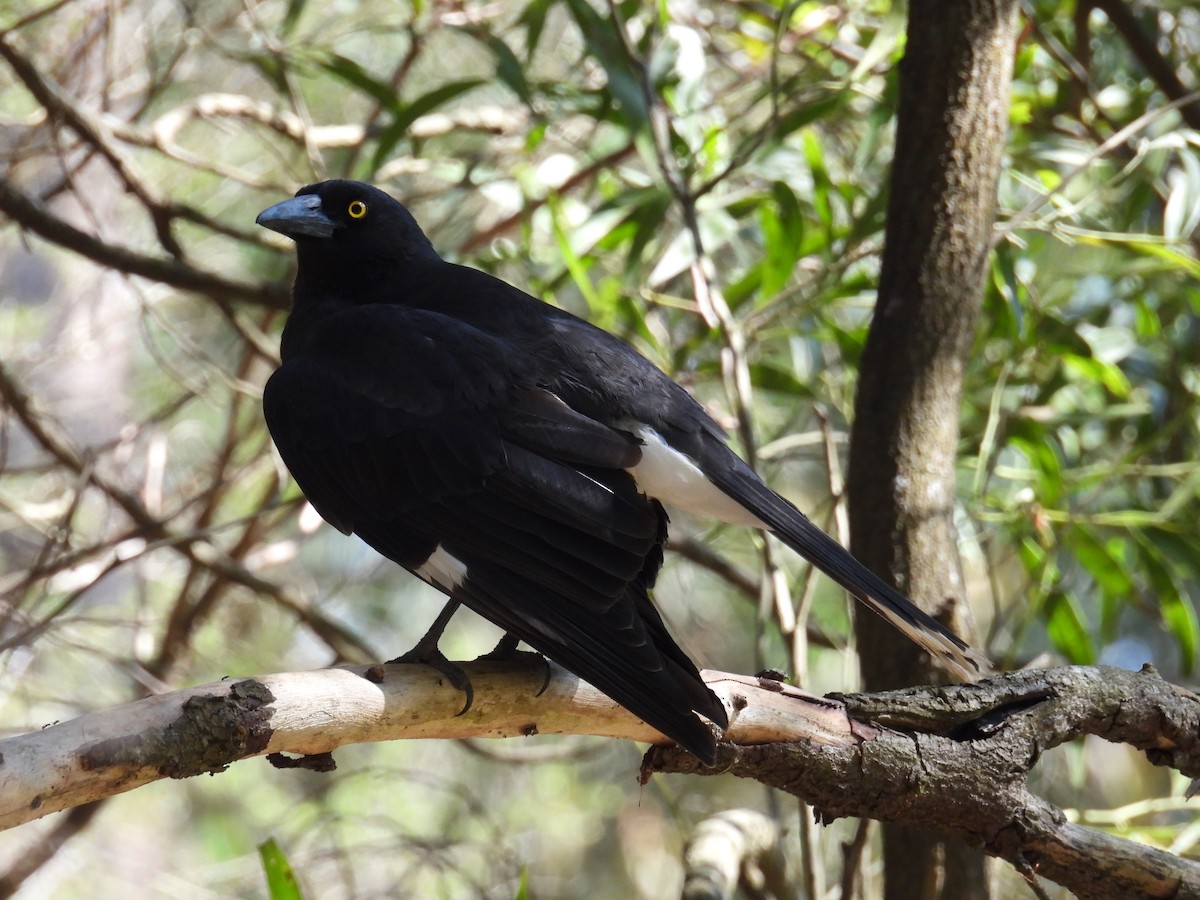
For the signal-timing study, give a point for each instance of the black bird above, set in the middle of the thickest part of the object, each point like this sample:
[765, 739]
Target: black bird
[514, 456]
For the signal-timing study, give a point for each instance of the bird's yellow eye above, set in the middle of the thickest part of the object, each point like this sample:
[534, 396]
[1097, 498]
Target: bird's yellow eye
[357, 209]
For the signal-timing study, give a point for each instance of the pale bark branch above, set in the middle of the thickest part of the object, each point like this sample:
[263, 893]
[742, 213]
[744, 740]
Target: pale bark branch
[735, 847]
[954, 759]
[204, 729]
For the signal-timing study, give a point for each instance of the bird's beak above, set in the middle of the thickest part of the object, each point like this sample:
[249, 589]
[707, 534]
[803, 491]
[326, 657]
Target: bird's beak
[300, 216]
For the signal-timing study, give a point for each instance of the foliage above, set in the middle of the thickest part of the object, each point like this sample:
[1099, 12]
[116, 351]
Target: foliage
[149, 537]
[281, 879]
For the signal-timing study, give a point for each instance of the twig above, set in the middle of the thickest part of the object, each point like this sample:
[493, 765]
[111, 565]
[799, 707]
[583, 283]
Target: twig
[194, 546]
[33, 216]
[587, 173]
[776, 599]
[91, 128]
[1146, 50]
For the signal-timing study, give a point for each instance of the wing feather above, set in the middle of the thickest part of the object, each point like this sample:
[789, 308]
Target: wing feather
[417, 432]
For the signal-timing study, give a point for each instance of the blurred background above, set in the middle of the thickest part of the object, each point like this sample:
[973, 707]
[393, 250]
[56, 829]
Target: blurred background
[151, 540]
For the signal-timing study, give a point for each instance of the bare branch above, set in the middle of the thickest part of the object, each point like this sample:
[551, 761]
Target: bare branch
[92, 129]
[195, 546]
[954, 759]
[204, 729]
[33, 216]
[1145, 48]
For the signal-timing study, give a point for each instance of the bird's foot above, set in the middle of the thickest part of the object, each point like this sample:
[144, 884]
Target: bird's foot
[506, 651]
[436, 660]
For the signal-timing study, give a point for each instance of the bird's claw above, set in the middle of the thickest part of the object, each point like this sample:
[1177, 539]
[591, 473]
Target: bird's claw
[437, 661]
[506, 651]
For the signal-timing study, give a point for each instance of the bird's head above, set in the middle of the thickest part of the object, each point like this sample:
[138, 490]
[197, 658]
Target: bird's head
[341, 226]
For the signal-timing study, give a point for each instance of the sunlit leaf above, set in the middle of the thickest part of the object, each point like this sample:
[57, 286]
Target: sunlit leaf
[1100, 561]
[1066, 626]
[1105, 373]
[523, 888]
[404, 116]
[281, 879]
[603, 43]
[1179, 615]
[508, 68]
[1181, 214]
[783, 231]
[353, 74]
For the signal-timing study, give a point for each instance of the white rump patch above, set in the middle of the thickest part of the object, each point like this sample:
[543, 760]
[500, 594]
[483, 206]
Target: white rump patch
[668, 475]
[443, 570]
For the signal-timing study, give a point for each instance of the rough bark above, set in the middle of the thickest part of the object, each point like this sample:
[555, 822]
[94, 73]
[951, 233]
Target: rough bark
[951, 123]
[954, 759]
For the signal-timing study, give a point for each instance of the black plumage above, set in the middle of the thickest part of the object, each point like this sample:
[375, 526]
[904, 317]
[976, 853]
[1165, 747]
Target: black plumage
[513, 455]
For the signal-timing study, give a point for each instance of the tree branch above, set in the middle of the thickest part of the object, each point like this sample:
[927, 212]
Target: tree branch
[956, 759]
[1145, 48]
[33, 216]
[950, 758]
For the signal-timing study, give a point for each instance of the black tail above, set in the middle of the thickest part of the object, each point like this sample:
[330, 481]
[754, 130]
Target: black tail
[793, 528]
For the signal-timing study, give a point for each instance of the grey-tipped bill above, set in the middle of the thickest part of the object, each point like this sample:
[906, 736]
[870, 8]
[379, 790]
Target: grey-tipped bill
[300, 216]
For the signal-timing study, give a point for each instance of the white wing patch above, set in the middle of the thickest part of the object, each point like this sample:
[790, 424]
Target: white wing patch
[443, 570]
[668, 475]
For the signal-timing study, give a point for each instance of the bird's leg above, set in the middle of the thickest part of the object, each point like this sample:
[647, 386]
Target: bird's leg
[506, 651]
[426, 652]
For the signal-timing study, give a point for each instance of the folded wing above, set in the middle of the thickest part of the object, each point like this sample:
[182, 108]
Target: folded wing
[425, 436]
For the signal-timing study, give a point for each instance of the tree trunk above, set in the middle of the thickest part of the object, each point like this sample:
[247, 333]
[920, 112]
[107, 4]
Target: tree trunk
[950, 136]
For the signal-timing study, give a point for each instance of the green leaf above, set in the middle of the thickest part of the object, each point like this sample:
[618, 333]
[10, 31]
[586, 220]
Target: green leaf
[356, 76]
[624, 82]
[783, 234]
[523, 887]
[281, 879]
[1180, 617]
[776, 378]
[1066, 627]
[807, 113]
[1101, 561]
[295, 9]
[533, 18]
[1033, 556]
[577, 267]
[1167, 559]
[1043, 457]
[405, 116]
[744, 288]
[508, 68]
[648, 218]
[887, 43]
[1106, 374]
[814, 154]
[1006, 316]
[536, 135]
[634, 315]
